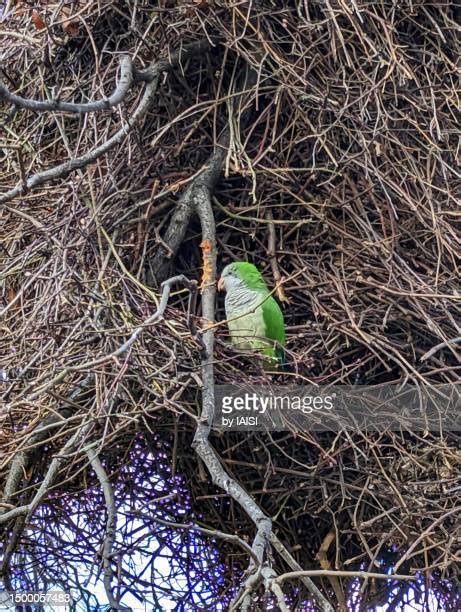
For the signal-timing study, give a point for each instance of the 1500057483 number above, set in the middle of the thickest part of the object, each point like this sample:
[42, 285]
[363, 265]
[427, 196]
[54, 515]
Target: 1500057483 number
[54, 598]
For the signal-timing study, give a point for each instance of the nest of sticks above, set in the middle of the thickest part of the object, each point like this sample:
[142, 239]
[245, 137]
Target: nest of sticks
[339, 181]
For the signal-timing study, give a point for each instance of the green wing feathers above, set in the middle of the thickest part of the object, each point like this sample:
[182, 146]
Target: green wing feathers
[275, 327]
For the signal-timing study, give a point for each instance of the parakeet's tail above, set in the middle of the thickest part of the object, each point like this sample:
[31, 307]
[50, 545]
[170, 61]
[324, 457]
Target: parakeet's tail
[282, 357]
[277, 359]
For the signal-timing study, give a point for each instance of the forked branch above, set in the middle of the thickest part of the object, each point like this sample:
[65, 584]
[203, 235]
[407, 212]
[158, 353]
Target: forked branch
[151, 75]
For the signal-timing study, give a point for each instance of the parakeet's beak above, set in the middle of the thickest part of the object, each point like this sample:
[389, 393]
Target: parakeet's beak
[220, 284]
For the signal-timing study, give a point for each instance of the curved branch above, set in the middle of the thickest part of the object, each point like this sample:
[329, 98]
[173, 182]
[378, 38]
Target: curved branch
[214, 533]
[111, 525]
[441, 345]
[123, 86]
[151, 75]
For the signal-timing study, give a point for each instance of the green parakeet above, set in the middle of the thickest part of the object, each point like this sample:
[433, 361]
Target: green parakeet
[254, 318]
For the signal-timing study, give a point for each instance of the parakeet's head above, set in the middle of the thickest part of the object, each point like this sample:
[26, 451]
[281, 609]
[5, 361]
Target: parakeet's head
[241, 274]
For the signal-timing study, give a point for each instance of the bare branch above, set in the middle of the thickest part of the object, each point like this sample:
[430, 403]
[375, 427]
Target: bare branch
[214, 533]
[201, 442]
[111, 525]
[342, 574]
[151, 75]
[187, 203]
[271, 585]
[439, 346]
[123, 86]
[323, 603]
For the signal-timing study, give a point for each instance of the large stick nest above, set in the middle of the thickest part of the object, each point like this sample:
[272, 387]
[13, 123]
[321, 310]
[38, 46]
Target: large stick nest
[342, 181]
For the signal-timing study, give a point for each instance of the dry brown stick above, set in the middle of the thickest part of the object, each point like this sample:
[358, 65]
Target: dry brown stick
[322, 557]
[321, 600]
[439, 346]
[428, 530]
[272, 252]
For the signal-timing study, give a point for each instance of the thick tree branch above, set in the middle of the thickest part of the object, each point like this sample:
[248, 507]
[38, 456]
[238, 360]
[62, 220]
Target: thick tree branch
[174, 235]
[123, 86]
[201, 442]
